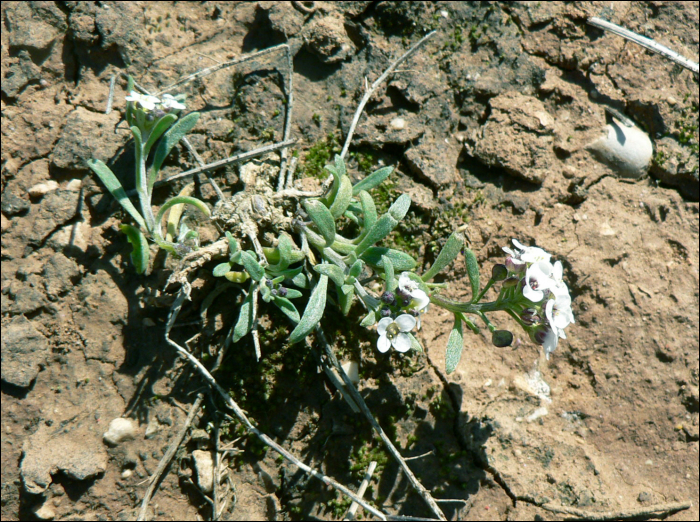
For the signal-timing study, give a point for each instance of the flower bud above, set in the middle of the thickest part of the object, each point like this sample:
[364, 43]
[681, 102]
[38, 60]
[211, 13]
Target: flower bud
[510, 281]
[282, 291]
[539, 334]
[529, 316]
[502, 338]
[388, 298]
[385, 312]
[515, 265]
[499, 272]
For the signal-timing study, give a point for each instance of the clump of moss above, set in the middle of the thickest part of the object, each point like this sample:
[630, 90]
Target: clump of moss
[319, 155]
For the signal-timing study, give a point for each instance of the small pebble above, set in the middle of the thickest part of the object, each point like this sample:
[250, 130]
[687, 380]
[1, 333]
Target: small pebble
[120, 429]
[42, 188]
[74, 185]
[204, 466]
[398, 124]
[671, 100]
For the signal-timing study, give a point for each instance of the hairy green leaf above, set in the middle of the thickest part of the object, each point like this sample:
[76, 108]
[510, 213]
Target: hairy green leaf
[140, 253]
[389, 278]
[170, 139]
[372, 180]
[221, 269]
[245, 318]
[252, 266]
[335, 273]
[449, 253]
[398, 208]
[472, 272]
[322, 218]
[313, 313]
[369, 212]
[160, 127]
[115, 188]
[179, 200]
[455, 346]
[345, 295]
[379, 231]
[287, 307]
[400, 260]
[342, 198]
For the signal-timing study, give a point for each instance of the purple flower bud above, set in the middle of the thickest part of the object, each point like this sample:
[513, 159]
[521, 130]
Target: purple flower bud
[385, 312]
[388, 298]
[511, 281]
[515, 265]
[529, 316]
[282, 291]
[273, 291]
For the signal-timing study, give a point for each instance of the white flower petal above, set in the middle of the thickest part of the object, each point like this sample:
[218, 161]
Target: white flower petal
[383, 324]
[402, 342]
[383, 344]
[550, 342]
[406, 322]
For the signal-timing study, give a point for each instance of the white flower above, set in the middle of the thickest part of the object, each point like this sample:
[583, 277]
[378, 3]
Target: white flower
[527, 254]
[420, 299]
[169, 102]
[559, 314]
[537, 279]
[392, 332]
[146, 101]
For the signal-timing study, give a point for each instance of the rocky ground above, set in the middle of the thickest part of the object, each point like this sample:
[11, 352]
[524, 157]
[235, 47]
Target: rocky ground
[490, 124]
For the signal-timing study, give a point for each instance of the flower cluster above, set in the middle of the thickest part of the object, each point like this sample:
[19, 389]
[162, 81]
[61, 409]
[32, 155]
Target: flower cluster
[153, 104]
[409, 299]
[542, 285]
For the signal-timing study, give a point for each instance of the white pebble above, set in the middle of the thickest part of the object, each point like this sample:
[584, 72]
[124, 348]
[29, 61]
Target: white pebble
[42, 188]
[127, 473]
[120, 429]
[204, 467]
[74, 185]
[398, 123]
[627, 150]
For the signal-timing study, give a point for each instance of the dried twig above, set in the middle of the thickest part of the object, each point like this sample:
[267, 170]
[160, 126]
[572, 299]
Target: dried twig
[350, 387]
[352, 510]
[369, 92]
[167, 457]
[645, 42]
[183, 294]
[657, 510]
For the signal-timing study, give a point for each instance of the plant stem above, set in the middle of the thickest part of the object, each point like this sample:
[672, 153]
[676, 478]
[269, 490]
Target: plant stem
[467, 308]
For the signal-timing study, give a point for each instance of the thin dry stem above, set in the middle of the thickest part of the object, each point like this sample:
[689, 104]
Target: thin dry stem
[369, 92]
[183, 294]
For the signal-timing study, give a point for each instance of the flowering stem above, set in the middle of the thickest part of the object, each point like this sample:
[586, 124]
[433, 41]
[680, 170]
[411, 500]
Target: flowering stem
[467, 308]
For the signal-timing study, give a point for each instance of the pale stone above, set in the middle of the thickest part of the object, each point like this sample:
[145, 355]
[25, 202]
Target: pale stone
[120, 429]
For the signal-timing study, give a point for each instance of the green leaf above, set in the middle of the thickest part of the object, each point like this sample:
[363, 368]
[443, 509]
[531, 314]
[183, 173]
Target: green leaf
[369, 320]
[322, 218]
[399, 208]
[283, 254]
[369, 212]
[179, 200]
[221, 269]
[245, 318]
[340, 165]
[454, 346]
[140, 252]
[472, 272]
[372, 180]
[356, 268]
[388, 266]
[237, 277]
[379, 231]
[334, 272]
[342, 198]
[453, 246]
[313, 313]
[160, 127]
[252, 266]
[115, 188]
[345, 295]
[287, 307]
[300, 281]
[400, 260]
[129, 116]
[293, 294]
[415, 343]
[232, 244]
[170, 139]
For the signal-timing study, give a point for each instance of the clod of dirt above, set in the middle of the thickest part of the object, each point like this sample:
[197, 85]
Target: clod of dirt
[41, 189]
[120, 430]
[59, 274]
[328, 40]
[24, 350]
[77, 452]
[627, 150]
[518, 136]
[204, 466]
